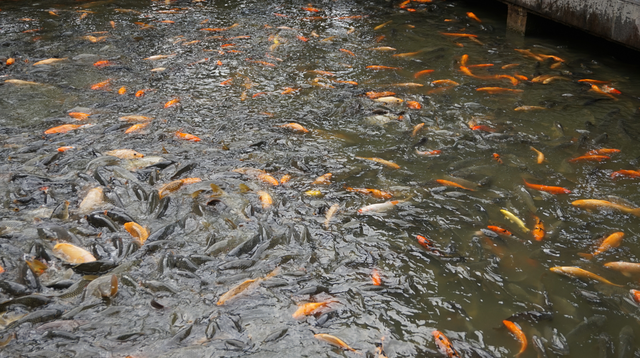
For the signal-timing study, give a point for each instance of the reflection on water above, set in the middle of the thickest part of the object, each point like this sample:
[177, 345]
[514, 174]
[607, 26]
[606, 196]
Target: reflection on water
[369, 171]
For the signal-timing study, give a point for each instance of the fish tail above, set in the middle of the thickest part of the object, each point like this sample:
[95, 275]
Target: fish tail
[586, 256]
[636, 212]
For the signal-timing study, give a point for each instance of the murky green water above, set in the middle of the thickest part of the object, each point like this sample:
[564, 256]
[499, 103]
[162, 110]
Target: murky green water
[233, 90]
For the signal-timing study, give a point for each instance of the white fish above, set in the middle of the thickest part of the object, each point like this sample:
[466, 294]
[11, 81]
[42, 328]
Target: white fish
[93, 199]
[379, 208]
[332, 210]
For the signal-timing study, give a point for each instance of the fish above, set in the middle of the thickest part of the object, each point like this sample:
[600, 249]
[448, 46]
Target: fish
[375, 277]
[323, 179]
[72, 254]
[265, 199]
[376, 193]
[347, 51]
[79, 115]
[483, 128]
[389, 100]
[63, 128]
[625, 173]
[444, 345]
[499, 230]
[589, 204]
[65, 148]
[172, 103]
[374, 95]
[444, 83]
[497, 158]
[629, 269]
[122, 90]
[21, 82]
[158, 57]
[603, 151]
[496, 90]
[609, 242]
[50, 61]
[382, 25]
[104, 286]
[334, 341]
[309, 308]
[597, 89]
[452, 184]
[135, 118]
[540, 155]
[428, 152]
[514, 219]
[473, 17]
[124, 153]
[170, 188]
[382, 48]
[457, 34]
[387, 163]
[538, 229]
[295, 127]
[104, 85]
[268, 64]
[320, 72]
[406, 54]
[103, 63]
[635, 294]
[10, 61]
[546, 188]
[576, 272]
[141, 92]
[136, 127]
[528, 108]
[520, 336]
[139, 233]
[379, 208]
[187, 136]
[589, 158]
[314, 193]
[417, 128]
[406, 84]
[285, 179]
[243, 286]
[422, 73]
[94, 39]
[332, 210]
[93, 199]
[380, 67]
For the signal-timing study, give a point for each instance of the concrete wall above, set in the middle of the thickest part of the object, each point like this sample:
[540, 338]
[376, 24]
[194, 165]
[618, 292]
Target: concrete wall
[616, 20]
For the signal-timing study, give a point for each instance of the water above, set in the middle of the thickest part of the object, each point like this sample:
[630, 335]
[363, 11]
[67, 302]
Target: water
[167, 289]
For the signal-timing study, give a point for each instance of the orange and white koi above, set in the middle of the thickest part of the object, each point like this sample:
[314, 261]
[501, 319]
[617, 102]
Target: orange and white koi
[499, 230]
[629, 269]
[444, 345]
[375, 277]
[429, 153]
[379, 208]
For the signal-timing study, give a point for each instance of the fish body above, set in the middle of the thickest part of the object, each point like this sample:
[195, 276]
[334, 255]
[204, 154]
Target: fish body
[603, 151]
[577, 272]
[626, 173]
[309, 308]
[236, 290]
[93, 199]
[520, 336]
[334, 341]
[136, 127]
[374, 95]
[157, 57]
[422, 73]
[187, 136]
[79, 115]
[609, 242]
[378, 208]
[389, 100]
[125, 154]
[379, 67]
[373, 192]
[589, 204]
[104, 85]
[265, 199]
[384, 162]
[296, 127]
[375, 278]
[172, 103]
[444, 83]
[21, 82]
[63, 128]
[635, 294]
[135, 118]
[629, 269]
[332, 210]
[538, 229]
[496, 90]
[72, 254]
[323, 179]
[456, 34]
[452, 184]
[499, 230]
[444, 345]
[549, 189]
[540, 155]
[514, 219]
[383, 48]
[589, 158]
[49, 61]
[528, 108]
[137, 231]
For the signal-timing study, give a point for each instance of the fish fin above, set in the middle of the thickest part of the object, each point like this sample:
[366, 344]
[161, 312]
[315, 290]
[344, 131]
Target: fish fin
[586, 256]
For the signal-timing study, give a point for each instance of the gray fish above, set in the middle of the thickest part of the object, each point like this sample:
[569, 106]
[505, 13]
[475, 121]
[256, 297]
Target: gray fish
[626, 346]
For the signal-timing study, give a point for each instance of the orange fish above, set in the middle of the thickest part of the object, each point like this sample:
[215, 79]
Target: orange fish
[594, 82]
[610, 242]
[311, 9]
[406, 54]
[413, 105]
[464, 59]
[426, 243]
[103, 63]
[421, 73]
[452, 184]
[511, 65]
[258, 94]
[79, 115]
[63, 128]
[326, 73]
[65, 148]
[444, 83]
[269, 64]
[172, 103]
[226, 82]
[474, 17]
[378, 68]
[142, 92]
[499, 230]
[323, 179]
[457, 34]
[603, 151]
[347, 51]
[122, 90]
[429, 153]
[374, 95]
[136, 127]
[635, 294]
[302, 38]
[187, 136]
[444, 345]
[495, 90]
[549, 189]
[268, 179]
[590, 158]
[101, 85]
[483, 128]
[520, 336]
[10, 61]
[295, 127]
[285, 179]
[538, 229]
[626, 173]
[376, 193]
[497, 158]
[309, 308]
[375, 278]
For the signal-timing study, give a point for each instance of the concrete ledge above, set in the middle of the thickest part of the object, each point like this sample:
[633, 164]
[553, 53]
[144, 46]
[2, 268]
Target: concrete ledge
[615, 20]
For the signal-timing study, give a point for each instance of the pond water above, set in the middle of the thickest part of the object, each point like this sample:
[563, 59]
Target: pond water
[263, 116]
